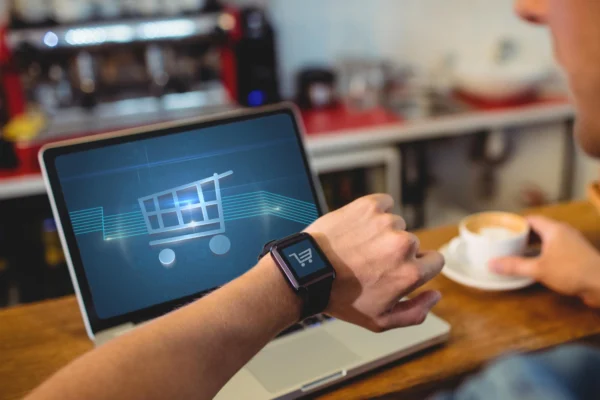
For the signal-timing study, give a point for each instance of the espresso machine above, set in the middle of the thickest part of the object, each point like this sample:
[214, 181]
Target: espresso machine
[99, 65]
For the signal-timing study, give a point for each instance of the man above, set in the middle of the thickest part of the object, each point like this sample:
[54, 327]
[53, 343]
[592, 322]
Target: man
[568, 263]
[182, 355]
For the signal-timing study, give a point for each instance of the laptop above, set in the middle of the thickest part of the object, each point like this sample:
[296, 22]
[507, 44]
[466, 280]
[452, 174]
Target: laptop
[154, 218]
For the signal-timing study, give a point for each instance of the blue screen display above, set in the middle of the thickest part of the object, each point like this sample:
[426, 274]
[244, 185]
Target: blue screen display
[168, 217]
[303, 258]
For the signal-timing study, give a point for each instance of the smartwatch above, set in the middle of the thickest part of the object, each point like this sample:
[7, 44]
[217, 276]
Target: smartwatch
[306, 269]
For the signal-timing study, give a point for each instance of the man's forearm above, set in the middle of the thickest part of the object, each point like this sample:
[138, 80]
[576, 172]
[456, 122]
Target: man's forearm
[190, 353]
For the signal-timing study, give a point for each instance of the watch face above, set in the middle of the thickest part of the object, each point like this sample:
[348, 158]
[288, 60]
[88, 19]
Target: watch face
[305, 260]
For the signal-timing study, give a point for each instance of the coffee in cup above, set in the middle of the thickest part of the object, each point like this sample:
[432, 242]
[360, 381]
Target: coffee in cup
[489, 235]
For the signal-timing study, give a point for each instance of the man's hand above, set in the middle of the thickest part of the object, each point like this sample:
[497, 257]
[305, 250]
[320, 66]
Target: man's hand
[568, 264]
[377, 263]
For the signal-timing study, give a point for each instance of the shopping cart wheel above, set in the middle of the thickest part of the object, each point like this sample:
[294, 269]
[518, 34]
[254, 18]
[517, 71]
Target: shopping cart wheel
[220, 245]
[167, 258]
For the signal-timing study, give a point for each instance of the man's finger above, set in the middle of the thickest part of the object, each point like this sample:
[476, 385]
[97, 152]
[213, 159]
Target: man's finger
[400, 224]
[515, 266]
[431, 263]
[542, 226]
[384, 202]
[410, 312]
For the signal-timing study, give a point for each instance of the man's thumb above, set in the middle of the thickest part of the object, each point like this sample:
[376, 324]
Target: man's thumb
[542, 226]
[514, 266]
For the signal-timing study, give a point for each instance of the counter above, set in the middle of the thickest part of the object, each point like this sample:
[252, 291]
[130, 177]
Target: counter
[36, 340]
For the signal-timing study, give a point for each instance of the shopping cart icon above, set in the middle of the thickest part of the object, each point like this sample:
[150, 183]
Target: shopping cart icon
[194, 210]
[303, 257]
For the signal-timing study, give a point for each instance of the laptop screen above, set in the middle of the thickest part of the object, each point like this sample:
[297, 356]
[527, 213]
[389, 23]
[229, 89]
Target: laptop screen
[164, 217]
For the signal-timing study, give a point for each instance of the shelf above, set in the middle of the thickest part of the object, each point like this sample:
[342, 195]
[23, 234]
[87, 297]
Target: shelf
[388, 134]
[22, 186]
[346, 139]
[120, 32]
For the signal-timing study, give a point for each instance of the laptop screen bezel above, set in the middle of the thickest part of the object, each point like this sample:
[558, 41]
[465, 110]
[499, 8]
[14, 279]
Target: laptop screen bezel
[50, 154]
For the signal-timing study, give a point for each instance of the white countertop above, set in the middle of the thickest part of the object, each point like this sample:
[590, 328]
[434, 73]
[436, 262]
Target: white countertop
[455, 125]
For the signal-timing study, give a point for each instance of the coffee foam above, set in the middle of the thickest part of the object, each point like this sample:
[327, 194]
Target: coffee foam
[510, 222]
[497, 233]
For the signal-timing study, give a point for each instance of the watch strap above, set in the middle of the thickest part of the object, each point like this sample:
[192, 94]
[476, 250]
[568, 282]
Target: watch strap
[266, 249]
[316, 297]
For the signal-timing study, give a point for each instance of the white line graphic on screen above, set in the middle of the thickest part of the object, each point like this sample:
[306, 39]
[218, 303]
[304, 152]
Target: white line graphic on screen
[303, 257]
[132, 224]
[185, 207]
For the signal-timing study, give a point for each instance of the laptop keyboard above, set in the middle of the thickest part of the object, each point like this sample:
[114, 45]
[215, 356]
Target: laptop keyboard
[310, 322]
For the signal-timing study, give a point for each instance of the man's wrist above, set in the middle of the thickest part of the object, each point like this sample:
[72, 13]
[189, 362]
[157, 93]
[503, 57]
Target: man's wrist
[306, 269]
[288, 303]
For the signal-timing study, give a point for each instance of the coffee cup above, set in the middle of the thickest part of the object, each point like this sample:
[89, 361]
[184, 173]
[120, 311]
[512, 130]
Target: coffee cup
[490, 235]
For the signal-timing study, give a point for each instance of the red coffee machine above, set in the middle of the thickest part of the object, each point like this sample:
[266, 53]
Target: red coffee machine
[111, 64]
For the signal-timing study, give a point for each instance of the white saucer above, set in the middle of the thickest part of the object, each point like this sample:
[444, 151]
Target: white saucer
[458, 270]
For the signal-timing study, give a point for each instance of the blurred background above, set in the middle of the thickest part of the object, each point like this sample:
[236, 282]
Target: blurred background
[452, 107]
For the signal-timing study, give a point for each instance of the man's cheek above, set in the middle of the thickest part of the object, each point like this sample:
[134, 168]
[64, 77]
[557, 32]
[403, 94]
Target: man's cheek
[587, 132]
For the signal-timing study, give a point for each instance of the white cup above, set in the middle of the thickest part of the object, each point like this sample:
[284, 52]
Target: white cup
[489, 235]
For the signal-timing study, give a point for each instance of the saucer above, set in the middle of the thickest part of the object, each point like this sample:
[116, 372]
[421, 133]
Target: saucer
[457, 269]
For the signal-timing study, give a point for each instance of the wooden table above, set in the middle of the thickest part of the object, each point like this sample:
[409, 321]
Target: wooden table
[38, 339]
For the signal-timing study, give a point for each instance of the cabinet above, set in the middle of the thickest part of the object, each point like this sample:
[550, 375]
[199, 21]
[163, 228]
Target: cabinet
[348, 176]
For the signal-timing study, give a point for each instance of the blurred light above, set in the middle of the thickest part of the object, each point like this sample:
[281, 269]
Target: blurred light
[119, 33]
[50, 39]
[226, 22]
[86, 36]
[256, 98]
[70, 37]
[94, 36]
[167, 29]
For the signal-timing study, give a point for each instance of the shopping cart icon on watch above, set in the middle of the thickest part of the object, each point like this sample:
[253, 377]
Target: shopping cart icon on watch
[193, 211]
[303, 257]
